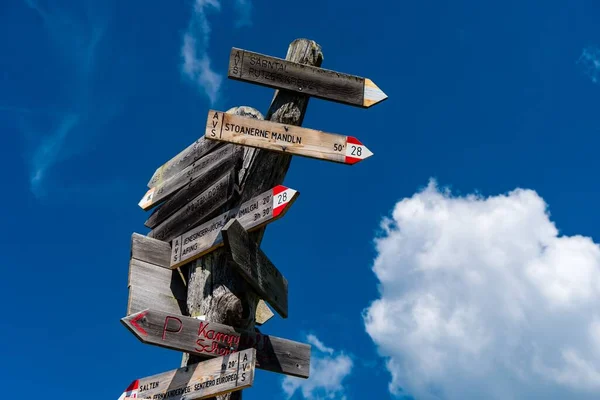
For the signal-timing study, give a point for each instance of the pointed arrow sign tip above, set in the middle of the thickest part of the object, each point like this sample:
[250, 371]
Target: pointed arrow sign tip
[373, 94]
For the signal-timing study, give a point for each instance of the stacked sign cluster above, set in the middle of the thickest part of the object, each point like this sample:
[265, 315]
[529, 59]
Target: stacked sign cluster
[188, 195]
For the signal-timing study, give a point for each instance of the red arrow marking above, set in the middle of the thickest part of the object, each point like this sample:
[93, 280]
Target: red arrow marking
[135, 324]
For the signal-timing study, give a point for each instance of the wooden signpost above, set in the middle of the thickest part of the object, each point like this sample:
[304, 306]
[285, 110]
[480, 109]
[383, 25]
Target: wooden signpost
[210, 339]
[199, 381]
[188, 295]
[277, 73]
[284, 138]
[256, 212]
[255, 267]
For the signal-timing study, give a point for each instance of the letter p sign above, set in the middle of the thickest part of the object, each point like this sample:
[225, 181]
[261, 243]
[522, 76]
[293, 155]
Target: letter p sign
[170, 323]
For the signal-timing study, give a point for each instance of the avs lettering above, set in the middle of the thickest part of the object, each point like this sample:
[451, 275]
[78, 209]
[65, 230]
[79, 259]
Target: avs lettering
[254, 213]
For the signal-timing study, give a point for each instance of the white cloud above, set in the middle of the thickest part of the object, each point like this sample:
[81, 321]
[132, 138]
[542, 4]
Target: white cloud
[312, 339]
[196, 63]
[244, 11]
[327, 372]
[481, 298]
[590, 63]
[194, 50]
[75, 43]
[48, 152]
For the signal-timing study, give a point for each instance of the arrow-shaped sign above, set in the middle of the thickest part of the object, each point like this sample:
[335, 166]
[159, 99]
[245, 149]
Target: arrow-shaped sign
[204, 170]
[202, 207]
[197, 381]
[255, 267]
[278, 73]
[256, 212]
[283, 138]
[182, 160]
[210, 339]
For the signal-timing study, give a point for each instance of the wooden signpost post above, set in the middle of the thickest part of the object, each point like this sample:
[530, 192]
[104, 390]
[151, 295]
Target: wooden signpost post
[209, 339]
[284, 138]
[256, 212]
[205, 379]
[277, 73]
[198, 281]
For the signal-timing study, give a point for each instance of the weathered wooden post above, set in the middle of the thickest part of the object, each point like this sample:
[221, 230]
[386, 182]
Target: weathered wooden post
[214, 290]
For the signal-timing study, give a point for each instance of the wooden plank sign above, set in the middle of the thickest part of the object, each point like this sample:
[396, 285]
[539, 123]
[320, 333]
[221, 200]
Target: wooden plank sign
[198, 210]
[204, 338]
[278, 73]
[283, 138]
[255, 267]
[254, 213]
[205, 169]
[178, 163]
[198, 185]
[152, 284]
[198, 381]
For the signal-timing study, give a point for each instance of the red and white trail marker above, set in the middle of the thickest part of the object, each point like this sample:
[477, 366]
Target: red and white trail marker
[282, 138]
[254, 213]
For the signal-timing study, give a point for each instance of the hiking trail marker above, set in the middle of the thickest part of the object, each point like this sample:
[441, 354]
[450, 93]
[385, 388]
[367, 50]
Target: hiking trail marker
[256, 212]
[278, 73]
[198, 381]
[284, 138]
[209, 339]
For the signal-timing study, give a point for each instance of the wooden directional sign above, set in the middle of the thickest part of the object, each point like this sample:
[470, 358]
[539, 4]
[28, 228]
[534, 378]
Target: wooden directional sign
[255, 267]
[284, 138]
[178, 163]
[152, 284]
[210, 339]
[229, 154]
[277, 73]
[256, 212]
[198, 210]
[198, 381]
[205, 169]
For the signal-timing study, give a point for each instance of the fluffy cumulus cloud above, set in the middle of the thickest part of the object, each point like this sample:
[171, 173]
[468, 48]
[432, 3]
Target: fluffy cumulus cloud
[328, 369]
[480, 298]
[589, 61]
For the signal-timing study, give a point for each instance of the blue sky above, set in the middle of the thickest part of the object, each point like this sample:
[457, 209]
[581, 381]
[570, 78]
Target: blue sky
[459, 262]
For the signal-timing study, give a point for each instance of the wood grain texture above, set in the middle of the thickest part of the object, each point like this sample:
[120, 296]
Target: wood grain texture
[199, 168]
[263, 313]
[211, 339]
[208, 169]
[277, 73]
[199, 381]
[255, 267]
[201, 208]
[253, 214]
[285, 138]
[140, 299]
[152, 284]
[150, 250]
[178, 163]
